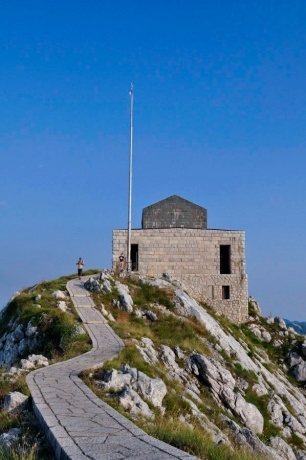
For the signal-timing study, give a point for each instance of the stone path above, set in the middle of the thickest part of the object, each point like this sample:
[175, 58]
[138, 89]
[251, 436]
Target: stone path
[77, 423]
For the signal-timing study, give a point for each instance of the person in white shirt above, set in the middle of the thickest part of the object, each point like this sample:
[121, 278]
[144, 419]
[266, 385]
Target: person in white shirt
[80, 263]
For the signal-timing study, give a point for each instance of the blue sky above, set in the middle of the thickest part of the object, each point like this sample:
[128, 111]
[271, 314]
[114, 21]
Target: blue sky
[219, 119]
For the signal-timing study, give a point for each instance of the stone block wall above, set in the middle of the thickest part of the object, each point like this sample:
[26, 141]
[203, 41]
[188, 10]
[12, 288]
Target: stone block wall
[174, 212]
[193, 257]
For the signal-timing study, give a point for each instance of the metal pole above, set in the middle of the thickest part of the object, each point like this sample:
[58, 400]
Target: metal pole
[130, 182]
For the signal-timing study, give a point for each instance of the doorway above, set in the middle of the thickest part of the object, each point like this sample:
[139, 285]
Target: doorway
[134, 257]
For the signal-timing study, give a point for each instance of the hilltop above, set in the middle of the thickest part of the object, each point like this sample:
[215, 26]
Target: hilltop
[186, 376]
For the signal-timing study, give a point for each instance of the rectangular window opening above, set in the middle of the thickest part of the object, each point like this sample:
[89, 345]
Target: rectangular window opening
[134, 257]
[225, 259]
[225, 292]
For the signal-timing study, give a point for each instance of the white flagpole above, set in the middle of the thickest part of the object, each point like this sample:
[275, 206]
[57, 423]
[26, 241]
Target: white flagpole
[129, 266]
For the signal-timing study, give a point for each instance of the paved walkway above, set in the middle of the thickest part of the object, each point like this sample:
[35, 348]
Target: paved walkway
[77, 423]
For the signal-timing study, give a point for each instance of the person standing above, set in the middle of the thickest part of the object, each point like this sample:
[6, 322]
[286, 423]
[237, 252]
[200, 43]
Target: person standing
[121, 262]
[80, 263]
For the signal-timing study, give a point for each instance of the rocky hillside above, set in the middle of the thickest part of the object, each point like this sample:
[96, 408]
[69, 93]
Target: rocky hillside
[186, 375]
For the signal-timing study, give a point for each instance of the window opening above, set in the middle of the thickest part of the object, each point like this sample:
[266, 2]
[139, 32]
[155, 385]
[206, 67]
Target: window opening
[225, 292]
[225, 259]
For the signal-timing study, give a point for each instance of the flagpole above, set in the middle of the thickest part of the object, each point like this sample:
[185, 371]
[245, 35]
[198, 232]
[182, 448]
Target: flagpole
[129, 267]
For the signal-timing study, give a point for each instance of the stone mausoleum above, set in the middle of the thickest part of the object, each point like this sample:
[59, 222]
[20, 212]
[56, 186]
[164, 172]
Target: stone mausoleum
[174, 238]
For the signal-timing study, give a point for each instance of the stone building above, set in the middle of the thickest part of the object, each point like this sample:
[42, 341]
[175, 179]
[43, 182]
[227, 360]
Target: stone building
[174, 238]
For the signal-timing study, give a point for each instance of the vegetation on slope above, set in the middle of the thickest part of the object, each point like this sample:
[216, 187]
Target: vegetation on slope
[57, 341]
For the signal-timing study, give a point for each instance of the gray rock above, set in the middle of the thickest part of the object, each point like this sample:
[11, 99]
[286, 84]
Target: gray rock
[125, 299]
[242, 385]
[78, 330]
[18, 332]
[31, 330]
[10, 438]
[276, 408]
[92, 285]
[260, 390]
[147, 350]
[14, 401]
[303, 348]
[158, 282]
[59, 294]
[246, 438]
[222, 385]
[300, 454]
[153, 390]
[115, 381]
[178, 352]
[23, 346]
[151, 316]
[299, 371]
[266, 336]
[282, 448]
[10, 355]
[132, 402]
[255, 305]
[270, 320]
[61, 305]
[33, 361]
[173, 281]
[293, 359]
[280, 322]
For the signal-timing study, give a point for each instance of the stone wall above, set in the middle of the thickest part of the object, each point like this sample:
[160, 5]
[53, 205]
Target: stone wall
[174, 212]
[193, 257]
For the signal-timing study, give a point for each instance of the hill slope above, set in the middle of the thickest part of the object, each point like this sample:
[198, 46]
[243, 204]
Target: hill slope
[186, 376]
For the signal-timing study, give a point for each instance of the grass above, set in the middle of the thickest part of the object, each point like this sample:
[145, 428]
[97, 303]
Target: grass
[56, 340]
[196, 442]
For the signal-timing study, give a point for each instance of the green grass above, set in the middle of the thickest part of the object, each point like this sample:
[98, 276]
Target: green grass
[56, 340]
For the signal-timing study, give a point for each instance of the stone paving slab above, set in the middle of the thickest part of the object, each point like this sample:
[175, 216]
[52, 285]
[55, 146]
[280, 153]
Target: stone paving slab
[77, 423]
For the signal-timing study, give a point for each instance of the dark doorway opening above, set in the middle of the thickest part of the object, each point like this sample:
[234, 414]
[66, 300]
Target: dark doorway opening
[134, 257]
[225, 259]
[225, 292]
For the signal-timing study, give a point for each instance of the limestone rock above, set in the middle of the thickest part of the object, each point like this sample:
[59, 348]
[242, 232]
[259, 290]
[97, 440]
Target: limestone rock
[107, 314]
[14, 401]
[222, 385]
[300, 454]
[260, 390]
[282, 448]
[299, 371]
[153, 390]
[92, 285]
[61, 305]
[275, 408]
[10, 438]
[18, 332]
[147, 350]
[31, 330]
[34, 361]
[280, 322]
[150, 315]
[255, 305]
[303, 348]
[59, 294]
[246, 438]
[133, 403]
[125, 299]
[78, 330]
[115, 381]
[266, 336]
[158, 282]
